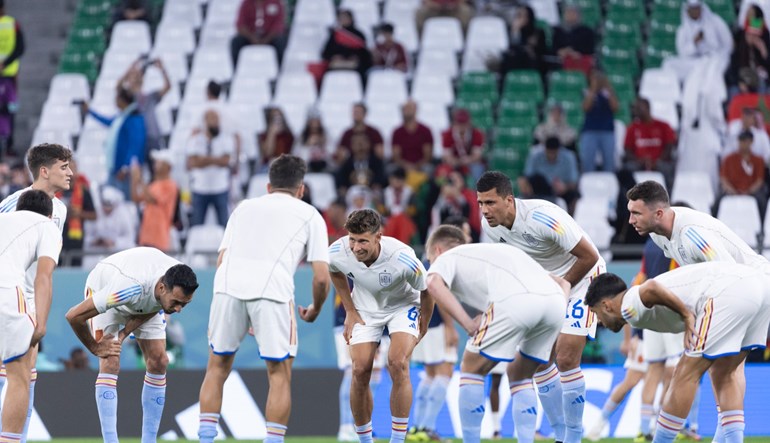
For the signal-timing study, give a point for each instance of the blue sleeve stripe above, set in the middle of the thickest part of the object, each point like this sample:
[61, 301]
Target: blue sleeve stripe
[10, 205]
[411, 265]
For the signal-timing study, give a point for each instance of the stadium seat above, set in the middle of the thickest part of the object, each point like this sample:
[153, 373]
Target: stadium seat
[589, 210]
[433, 88]
[524, 85]
[488, 33]
[546, 10]
[184, 12]
[385, 117]
[341, 87]
[437, 61]
[67, 87]
[296, 60]
[257, 61]
[298, 87]
[42, 135]
[643, 176]
[590, 11]
[175, 64]
[258, 185]
[195, 91]
[308, 37]
[622, 35]
[217, 35]
[386, 86]
[406, 34]
[478, 86]
[60, 117]
[724, 9]
[693, 188]
[252, 116]
[444, 33]
[665, 111]
[319, 12]
[323, 190]
[336, 117]
[131, 35]
[480, 111]
[741, 214]
[661, 85]
[435, 116]
[203, 239]
[296, 114]
[517, 113]
[566, 85]
[600, 185]
[172, 36]
[628, 11]
[518, 138]
[365, 13]
[93, 166]
[212, 64]
[619, 60]
[254, 90]
[92, 141]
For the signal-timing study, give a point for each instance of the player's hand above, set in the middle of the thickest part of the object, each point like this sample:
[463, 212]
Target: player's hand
[37, 335]
[625, 347]
[473, 327]
[308, 314]
[690, 336]
[423, 328]
[351, 318]
[451, 337]
[107, 347]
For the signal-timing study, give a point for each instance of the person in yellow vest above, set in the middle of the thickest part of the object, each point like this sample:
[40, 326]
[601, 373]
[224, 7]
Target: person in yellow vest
[11, 49]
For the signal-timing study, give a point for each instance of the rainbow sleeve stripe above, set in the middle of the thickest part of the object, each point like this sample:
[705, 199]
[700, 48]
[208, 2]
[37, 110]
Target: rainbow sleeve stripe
[549, 221]
[484, 327]
[22, 302]
[123, 296]
[701, 243]
[335, 247]
[705, 324]
[629, 313]
[410, 263]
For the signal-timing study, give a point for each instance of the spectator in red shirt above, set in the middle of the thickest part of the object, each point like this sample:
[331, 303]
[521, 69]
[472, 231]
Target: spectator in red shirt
[335, 216]
[649, 142]
[743, 172]
[412, 141]
[260, 22]
[359, 128]
[463, 145]
[388, 53]
[277, 138]
[458, 9]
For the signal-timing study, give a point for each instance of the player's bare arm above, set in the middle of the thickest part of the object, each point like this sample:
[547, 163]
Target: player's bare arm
[426, 310]
[587, 257]
[43, 295]
[320, 291]
[653, 293]
[352, 317]
[451, 337]
[133, 324]
[563, 284]
[78, 317]
[449, 303]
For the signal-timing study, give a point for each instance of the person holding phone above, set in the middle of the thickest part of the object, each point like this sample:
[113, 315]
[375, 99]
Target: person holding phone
[752, 46]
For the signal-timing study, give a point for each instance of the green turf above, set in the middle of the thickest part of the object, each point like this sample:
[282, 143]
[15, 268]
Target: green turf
[334, 440]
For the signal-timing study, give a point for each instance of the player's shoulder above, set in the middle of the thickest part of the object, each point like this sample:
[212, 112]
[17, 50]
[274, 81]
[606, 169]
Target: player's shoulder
[8, 204]
[628, 307]
[397, 252]
[542, 214]
[337, 248]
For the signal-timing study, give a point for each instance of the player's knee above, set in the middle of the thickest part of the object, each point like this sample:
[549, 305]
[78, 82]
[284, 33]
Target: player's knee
[157, 363]
[109, 365]
[362, 372]
[398, 365]
[567, 360]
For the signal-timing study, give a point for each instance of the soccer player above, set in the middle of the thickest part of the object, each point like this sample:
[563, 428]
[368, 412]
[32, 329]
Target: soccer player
[49, 165]
[131, 289]
[523, 308]
[27, 236]
[688, 236]
[389, 291]
[723, 310]
[554, 240]
[264, 241]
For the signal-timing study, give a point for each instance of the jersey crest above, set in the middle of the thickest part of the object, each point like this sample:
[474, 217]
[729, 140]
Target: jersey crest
[385, 279]
[531, 241]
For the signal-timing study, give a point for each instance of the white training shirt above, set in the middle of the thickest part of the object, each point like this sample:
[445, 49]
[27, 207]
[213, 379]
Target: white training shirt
[393, 281]
[126, 281]
[694, 285]
[58, 217]
[480, 274]
[698, 237]
[544, 231]
[265, 239]
[211, 179]
[24, 237]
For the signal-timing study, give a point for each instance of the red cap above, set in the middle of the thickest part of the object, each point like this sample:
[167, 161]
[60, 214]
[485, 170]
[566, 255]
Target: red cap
[462, 116]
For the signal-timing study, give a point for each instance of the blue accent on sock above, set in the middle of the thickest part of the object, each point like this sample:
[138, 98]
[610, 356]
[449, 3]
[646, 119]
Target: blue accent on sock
[524, 413]
[692, 417]
[733, 430]
[30, 408]
[421, 399]
[207, 429]
[573, 395]
[436, 398]
[272, 438]
[153, 399]
[346, 415]
[107, 405]
[551, 398]
[646, 419]
[663, 434]
[398, 436]
[364, 433]
[471, 403]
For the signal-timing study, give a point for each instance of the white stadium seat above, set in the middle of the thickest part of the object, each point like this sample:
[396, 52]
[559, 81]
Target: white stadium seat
[131, 35]
[258, 185]
[600, 185]
[386, 86]
[212, 63]
[174, 36]
[184, 12]
[741, 214]
[433, 88]
[442, 33]
[437, 61]
[341, 87]
[257, 61]
[296, 87]
[319, 12]
[250, 90]
[660, 85]
[323, 190]
[68, 87]
[693, 188]
[656, 176]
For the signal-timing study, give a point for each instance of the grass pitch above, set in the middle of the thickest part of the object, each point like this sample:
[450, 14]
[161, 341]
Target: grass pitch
[334, 440]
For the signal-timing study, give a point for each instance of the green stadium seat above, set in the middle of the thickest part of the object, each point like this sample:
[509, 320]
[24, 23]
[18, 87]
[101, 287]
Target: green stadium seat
[481, 113]
[513, 137]
[623, 86]
[662, 35]
[622, 35]
[724, 9]
[620, 61]
[590, 11]
[517, 113]
[566, 85]
[478, 86]
[654, 56]
[626, 11]
[524, 85]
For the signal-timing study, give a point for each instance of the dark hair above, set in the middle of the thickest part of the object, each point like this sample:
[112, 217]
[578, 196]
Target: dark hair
[495, 180]
[363, 221]
[45, 155]
[746, 135]
[340, 201]
[552, 143]
[182, 276]
[447, 234]
[361, 105]
[35, 201]
[287, 172]
[455, 220]
[399, 172]
[648, 191]
[213, 89]
[349, 13]
[126, 95]
[306, 129]
[603, 287]
[386, 27]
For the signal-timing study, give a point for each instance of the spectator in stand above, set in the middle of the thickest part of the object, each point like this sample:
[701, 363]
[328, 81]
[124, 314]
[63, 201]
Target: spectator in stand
[78, 360]
[398, 199]
[452, 202]
[277, 138]
[346, 46]
[743, 173]
[555, 167]
[133, 79]
[335, 217]
[556, 125]
[463, 145]
[208, 158]
[458, 9]
[574, 42]
[260, 22]
[11, 50]
[314, 143]
[358, 197]
[359, 128]
[20, 178]
[598, 135]
[649, 143]
[131, 10]
[125, 144]
[752, 46]
[80, 207]
[388, 53]
[115, 229]
[751, 121]
[412, 145]
[527, 44]
[159, 199]
[229, 124]
[702, 33]
[363, 167]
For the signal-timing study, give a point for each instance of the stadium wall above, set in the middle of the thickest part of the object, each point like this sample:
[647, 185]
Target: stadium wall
[65, 405]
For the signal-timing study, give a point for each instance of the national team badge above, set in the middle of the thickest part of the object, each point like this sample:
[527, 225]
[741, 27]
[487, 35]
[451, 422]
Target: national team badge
[532, 241]
[385, 279]
[681, 252]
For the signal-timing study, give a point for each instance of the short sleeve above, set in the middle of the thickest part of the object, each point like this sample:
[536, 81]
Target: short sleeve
[414, 271]
[318, 240]
[555, 225]
[446, 140]
[196, 146]
[50, 242]
[376, 136]
[628, 143]
[632, 309]
[227, 238]
[118, 292]
[335, 252]
[703, 246]
[444, 267]
[478, 139]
